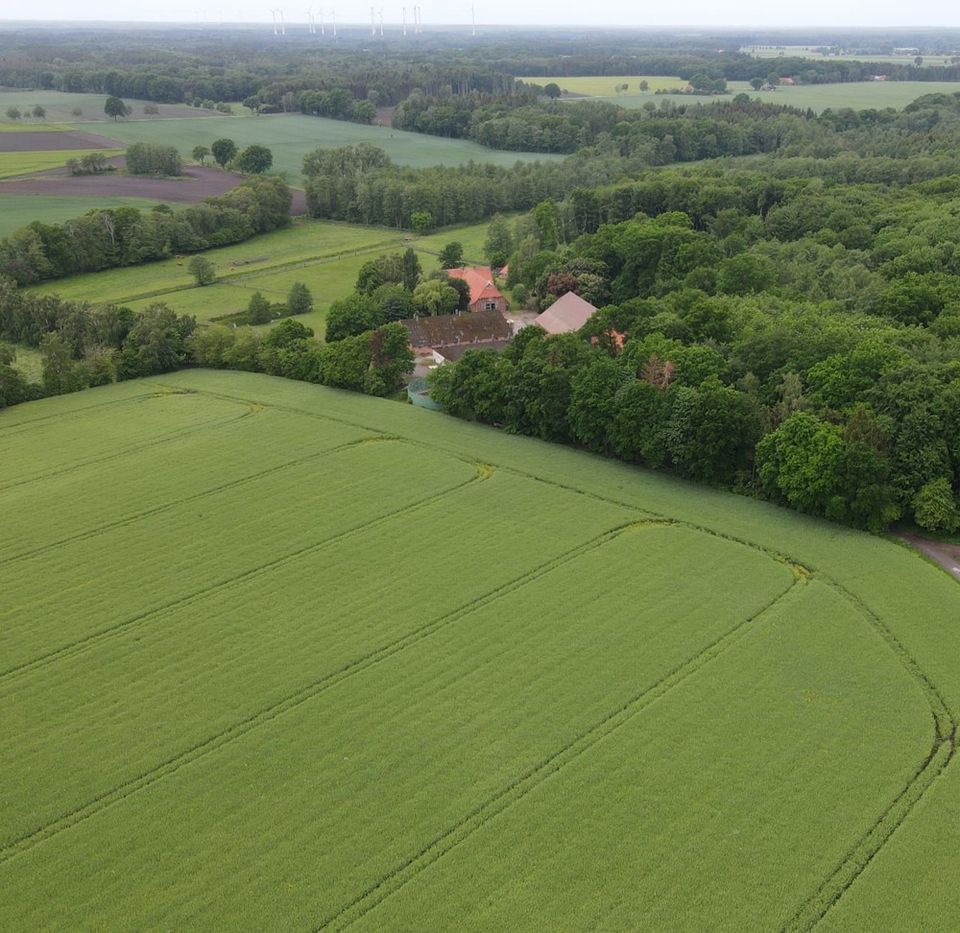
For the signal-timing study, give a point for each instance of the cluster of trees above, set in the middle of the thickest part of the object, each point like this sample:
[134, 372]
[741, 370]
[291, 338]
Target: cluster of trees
[123, 236]
[84, 346]
[93, 163]
[153, 159]
[393, 288]
[37, 112]
[254, 160]
[375, 362]
[337, 103]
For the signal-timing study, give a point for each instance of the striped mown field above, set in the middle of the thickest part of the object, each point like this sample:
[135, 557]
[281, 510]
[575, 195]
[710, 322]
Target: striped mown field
[274, 656]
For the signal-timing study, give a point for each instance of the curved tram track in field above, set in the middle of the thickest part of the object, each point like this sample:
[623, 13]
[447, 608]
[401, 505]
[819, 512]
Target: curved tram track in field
[864, 849]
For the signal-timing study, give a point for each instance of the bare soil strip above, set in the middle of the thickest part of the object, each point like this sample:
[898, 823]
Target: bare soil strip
[196, 184]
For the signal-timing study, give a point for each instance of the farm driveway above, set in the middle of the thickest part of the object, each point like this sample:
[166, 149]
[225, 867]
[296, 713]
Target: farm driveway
[946, 555]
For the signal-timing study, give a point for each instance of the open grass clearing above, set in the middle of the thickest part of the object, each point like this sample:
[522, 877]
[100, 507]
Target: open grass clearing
[303, 242]
[292, 136]
[330, 659]
[810, 51]
[26, 163]
[859, 95]
[18, 210]
[28, 362]
[60, 107]
[605, 85]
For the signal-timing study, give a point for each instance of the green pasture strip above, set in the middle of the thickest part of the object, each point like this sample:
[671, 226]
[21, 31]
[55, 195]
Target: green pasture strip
[605, 85]
[61, 104]
[203, 303]
[324, 255]
[33, 127]
[472, 237]
[131, 487]
[18, 210]
[437, 720]
[305, 241]
[292, 136]
[33, 452]
[13, 164]
[858, 95]
[728, 797]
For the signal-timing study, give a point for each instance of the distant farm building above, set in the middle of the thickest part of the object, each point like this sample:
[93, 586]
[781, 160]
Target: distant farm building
[446, 337]
[567, 314]
[484, 294]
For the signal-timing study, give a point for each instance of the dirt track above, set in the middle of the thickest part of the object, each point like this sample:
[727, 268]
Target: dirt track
[196, 184]
[946, 555]
[53, 140]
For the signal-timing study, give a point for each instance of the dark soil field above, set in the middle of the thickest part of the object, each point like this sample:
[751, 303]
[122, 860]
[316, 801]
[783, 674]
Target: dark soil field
[51, 141]
[196, 184]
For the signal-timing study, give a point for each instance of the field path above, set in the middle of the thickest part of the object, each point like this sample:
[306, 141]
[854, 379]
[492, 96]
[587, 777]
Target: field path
[946, 555]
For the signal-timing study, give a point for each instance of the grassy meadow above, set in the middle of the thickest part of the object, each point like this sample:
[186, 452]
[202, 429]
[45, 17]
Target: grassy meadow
[60, 107]
[604, 85]
[324, 255]
[809, 51]
[859, 95]
[27, 163]
[18, 210]
[291, 136]
[301, 682]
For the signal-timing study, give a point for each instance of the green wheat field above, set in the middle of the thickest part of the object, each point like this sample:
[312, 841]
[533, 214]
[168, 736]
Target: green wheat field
[274, 656]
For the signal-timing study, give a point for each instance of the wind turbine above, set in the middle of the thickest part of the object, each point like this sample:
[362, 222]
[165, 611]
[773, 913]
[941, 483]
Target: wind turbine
[311, 25]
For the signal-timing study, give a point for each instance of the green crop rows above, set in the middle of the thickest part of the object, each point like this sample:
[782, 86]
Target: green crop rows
[275, 656]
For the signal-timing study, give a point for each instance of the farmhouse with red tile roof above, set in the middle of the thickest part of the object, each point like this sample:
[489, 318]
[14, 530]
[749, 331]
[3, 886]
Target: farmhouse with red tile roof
[567, 314]
[484, 294]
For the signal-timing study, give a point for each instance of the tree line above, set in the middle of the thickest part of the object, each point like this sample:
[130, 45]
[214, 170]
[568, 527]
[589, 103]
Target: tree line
[795, 339]
[83, 346]
[124, 236]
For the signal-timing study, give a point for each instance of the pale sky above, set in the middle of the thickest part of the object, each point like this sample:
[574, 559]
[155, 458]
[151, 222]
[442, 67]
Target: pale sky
[751, 13]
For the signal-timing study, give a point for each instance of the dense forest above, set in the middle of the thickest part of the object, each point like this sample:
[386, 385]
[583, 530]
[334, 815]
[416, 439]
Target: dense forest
[791, 329]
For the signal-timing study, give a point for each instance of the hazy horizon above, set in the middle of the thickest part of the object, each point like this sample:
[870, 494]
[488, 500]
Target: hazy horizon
[739, 14]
